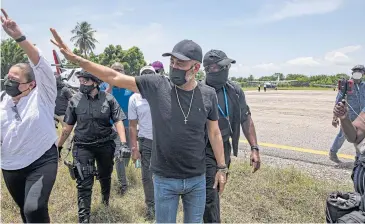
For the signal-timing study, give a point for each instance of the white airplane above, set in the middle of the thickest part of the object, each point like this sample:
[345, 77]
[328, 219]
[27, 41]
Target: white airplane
[273, 84]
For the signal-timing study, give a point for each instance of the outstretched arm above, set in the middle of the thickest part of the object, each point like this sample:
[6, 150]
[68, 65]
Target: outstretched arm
[102, 72]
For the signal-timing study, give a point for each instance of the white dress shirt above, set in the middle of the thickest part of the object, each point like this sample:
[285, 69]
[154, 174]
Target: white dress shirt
[26, 139]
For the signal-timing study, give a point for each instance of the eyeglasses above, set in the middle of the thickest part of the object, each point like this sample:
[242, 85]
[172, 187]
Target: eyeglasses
[216, 68]
[17, 116]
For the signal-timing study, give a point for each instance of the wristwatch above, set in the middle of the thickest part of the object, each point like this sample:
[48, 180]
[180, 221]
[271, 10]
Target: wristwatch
[254, 147]
[20, 39]
[222, 169]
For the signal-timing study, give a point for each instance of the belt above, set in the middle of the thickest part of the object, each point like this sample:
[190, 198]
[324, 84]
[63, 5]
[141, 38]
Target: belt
[97, 141]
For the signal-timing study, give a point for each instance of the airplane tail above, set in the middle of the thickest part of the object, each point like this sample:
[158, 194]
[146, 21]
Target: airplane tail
[57, 62]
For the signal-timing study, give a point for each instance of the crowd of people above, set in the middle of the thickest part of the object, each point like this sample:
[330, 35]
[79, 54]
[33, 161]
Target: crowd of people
[181, 130]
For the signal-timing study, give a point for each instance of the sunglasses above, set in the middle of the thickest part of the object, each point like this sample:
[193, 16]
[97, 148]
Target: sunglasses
[216, 68]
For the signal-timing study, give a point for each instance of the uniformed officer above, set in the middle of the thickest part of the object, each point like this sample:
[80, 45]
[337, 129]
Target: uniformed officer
[94, 137]
[233, 112]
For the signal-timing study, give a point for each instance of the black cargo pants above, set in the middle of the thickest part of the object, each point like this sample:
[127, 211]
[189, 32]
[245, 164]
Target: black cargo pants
[145, 148]
[86, 155]
[212, 207]
[31, 186]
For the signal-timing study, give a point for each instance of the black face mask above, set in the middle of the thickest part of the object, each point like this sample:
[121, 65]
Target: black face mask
[177, 76]
[217, 79]
[86, 89]
[12, 88]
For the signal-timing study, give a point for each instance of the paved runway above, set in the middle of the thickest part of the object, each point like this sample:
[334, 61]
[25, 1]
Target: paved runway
[296, 125]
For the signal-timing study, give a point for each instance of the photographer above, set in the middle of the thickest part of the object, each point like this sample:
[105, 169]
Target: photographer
[29, 155]
[356, 102]
[94, 139]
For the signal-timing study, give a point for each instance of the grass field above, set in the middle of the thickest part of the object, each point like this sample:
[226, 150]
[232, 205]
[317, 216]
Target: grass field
[270, 195]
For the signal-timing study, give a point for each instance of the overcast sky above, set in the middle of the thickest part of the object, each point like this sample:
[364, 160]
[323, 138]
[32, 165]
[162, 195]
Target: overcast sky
[263, 36]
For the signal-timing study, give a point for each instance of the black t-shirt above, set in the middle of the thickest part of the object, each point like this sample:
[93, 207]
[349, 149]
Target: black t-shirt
[64, 94]
[178, 148]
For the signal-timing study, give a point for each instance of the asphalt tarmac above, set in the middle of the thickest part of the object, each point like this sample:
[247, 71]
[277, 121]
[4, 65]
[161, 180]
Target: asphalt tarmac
[294, 127]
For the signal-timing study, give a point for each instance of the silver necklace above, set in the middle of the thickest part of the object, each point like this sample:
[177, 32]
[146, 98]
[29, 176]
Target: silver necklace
[192, 96]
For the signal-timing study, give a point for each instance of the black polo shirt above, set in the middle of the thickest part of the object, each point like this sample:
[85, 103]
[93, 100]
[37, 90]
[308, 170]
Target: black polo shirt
[93, 116]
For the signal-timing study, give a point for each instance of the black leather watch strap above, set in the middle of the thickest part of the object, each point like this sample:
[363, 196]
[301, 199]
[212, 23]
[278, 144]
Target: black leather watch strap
[221, 167]
[20, 39]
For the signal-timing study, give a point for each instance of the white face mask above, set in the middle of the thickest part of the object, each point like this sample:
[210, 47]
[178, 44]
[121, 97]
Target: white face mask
[357, 75]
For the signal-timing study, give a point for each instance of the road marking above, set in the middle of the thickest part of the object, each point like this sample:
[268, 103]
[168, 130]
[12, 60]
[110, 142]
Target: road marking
[298, 149]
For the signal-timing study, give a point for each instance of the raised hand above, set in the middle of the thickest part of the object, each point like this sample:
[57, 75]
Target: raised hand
[69, 55]
[10, 26]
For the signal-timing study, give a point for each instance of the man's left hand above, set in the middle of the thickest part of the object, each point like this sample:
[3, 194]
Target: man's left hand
[220, 178]
[255, 161]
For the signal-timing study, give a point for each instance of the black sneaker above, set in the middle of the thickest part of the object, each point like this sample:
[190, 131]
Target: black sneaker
[334, 157]
[150, 213]
[122, 191]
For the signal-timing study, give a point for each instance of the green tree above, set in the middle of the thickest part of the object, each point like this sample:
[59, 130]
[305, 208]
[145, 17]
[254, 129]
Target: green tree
[133, 61]
[11, 54]
[84, 37]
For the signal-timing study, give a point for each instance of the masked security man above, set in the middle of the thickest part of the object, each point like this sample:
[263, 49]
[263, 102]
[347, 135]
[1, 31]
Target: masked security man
[94, 137]
[233, 112]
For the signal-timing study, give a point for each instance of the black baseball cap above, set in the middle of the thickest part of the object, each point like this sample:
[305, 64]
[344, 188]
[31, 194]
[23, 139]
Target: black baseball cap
[217, 57]
[186, 50]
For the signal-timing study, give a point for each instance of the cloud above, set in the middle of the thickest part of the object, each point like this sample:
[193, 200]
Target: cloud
[281, 10]
[340, 57]
[303, 61]
[333, 62]
[266, 67]
[297, 8]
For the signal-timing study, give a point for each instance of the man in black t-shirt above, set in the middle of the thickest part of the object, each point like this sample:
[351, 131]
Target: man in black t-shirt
[183, 113]
[233, 112]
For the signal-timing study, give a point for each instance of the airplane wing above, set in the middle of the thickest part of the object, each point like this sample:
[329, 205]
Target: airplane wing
[69, 77]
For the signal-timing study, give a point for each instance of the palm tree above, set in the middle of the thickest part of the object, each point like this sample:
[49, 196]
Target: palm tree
[84, 37]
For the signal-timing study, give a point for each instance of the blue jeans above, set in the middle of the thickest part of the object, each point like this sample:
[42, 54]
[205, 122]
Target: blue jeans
[167, 194]
[338, 142]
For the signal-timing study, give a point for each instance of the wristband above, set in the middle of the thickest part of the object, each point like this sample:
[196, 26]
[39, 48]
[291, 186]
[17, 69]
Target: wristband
[20, 39]
[254, 147]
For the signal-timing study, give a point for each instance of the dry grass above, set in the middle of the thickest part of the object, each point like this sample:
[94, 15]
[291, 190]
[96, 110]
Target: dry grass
[270, 195]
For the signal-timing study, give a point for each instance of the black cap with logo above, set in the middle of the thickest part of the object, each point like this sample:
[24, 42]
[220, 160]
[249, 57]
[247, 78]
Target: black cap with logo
[85, 74]
[186, 50]
[217, 57]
